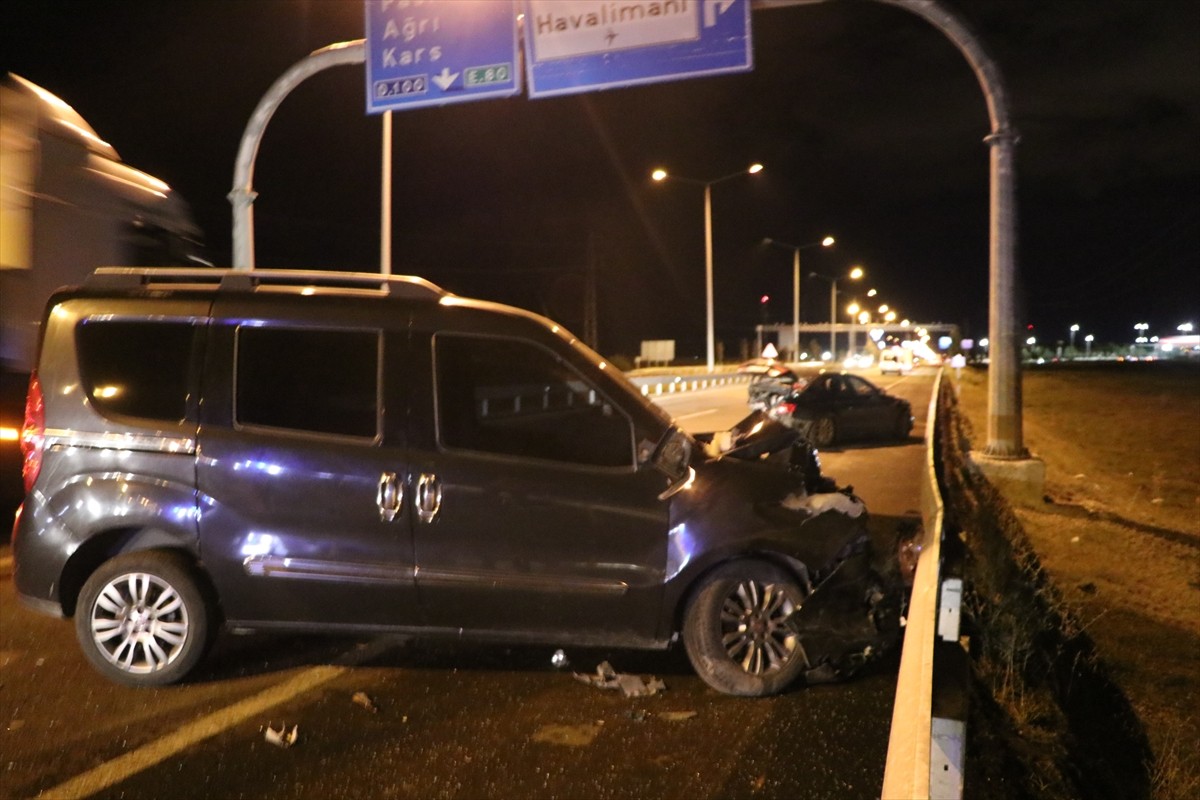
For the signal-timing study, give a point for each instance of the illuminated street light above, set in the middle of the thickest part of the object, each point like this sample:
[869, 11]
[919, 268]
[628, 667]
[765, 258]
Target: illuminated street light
[660, 175]
[855, 274]
[1184, 328]
[1087, 344]
[826, 242]
[1074, 330]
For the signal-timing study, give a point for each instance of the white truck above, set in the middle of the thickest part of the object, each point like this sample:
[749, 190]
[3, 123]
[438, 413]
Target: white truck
[68, 204]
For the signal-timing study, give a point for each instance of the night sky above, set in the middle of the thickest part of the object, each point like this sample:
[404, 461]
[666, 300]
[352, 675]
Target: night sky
[869, 121]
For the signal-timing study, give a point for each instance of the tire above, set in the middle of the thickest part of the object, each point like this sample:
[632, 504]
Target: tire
[735, 630]
[142, 619]
[822, 431]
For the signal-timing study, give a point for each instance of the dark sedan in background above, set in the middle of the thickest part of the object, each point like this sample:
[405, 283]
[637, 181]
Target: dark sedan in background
[836, 407]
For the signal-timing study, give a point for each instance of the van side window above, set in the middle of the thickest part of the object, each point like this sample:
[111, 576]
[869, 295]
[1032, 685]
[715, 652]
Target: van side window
[512, 397]
[138, 369]
[321, 381]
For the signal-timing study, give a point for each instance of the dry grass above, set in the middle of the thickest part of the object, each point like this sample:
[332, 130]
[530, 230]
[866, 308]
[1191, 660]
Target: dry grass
[1119, 533]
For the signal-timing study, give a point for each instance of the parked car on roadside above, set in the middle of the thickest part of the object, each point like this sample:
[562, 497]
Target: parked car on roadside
[353, 453]
[839, 407]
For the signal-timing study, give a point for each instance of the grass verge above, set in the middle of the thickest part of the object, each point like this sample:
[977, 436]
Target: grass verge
[1087, 607]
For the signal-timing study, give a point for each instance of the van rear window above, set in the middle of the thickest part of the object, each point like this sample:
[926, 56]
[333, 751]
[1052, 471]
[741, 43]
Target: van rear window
[137, 369]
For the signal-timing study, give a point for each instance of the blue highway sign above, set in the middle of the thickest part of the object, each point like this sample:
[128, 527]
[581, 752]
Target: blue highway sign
[582, 45]
[433, 52]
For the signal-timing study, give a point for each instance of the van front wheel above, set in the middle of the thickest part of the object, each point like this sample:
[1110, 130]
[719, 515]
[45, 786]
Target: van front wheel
[736, 633]
[142, 619]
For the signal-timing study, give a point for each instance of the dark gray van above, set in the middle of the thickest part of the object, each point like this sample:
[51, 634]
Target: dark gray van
[343, 452]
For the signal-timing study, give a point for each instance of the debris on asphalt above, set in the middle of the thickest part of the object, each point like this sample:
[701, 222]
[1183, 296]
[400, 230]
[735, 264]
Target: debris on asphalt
[283, 737]
[677, 716]
[559, 659]
[567, 735]
[631, 685]
[363, 699]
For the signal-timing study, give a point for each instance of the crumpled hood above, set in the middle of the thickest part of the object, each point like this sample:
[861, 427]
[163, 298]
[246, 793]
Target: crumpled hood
[735, 505]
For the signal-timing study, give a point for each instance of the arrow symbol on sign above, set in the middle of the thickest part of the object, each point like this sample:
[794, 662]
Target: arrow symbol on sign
[714, 9]
[446, 78]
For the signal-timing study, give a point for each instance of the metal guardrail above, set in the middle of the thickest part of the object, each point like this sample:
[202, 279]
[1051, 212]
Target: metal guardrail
[926, 752]
[658, 385]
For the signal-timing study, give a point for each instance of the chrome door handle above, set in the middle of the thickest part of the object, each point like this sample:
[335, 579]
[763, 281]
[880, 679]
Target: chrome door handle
[390, 497]
[429, 497]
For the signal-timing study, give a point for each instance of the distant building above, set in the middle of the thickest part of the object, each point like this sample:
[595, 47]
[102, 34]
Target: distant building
[1185, 346]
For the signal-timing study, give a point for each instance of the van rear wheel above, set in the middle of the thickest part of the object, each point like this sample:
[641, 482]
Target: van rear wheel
[142, 619]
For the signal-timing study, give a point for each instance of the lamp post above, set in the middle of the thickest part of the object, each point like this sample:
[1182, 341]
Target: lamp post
[864, 319]
[855, 274]
[852, 310]
[662, 175]
[1087, 345]
[1074, 330]
[826, 242]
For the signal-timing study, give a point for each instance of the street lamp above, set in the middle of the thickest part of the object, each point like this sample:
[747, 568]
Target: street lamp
[1074, 330]
[660, 175]
[826, 242]
[1087, 345]
[855, 274]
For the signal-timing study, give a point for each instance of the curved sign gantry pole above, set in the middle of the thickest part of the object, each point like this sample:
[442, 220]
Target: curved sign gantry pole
[242, 195]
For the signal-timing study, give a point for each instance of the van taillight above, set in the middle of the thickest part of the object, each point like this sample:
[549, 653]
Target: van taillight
[33, 433]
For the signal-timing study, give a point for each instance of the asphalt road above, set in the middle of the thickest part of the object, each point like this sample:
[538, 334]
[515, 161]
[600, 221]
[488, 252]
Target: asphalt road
[448, 720]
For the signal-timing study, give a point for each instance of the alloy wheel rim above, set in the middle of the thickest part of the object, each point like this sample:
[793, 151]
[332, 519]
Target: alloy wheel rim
[754, 628]
[139, 623]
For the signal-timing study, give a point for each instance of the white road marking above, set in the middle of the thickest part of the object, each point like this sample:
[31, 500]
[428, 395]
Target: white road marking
[113, 772]
[696, 414]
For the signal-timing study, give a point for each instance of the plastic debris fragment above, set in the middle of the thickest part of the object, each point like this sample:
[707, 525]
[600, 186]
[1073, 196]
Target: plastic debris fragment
[363, 699]
[630, 685]
[677, 716]
[559, 659]
[283, 737]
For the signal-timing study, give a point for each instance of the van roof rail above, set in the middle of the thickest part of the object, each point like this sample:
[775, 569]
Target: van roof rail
[248, 280]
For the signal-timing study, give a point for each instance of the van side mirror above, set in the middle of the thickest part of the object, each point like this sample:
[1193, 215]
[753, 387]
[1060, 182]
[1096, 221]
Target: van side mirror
[674, 455]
